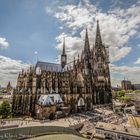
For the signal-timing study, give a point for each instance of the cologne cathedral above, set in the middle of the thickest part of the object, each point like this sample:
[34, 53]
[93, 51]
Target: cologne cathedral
[82, 85]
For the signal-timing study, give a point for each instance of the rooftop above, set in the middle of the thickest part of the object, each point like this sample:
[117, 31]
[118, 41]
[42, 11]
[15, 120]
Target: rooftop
[118, 128]
[48, 66]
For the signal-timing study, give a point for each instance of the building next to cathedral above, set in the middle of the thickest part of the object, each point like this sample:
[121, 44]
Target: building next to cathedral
[86, 82]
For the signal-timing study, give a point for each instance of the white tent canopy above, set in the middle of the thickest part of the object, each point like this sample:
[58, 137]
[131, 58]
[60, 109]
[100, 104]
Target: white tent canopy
[50, 99]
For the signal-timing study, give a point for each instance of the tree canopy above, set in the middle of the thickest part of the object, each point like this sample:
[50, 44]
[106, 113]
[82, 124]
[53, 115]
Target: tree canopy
[120, 93]
[5, 109]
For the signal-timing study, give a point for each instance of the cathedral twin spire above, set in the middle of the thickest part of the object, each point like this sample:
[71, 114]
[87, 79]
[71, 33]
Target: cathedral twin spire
[98, 42]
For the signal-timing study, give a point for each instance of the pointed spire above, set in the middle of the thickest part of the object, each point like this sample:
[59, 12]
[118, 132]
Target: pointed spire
[30, 69]
[63, 56]
[74, 61]
[78, 57]
[82, 55]
[98, 41]
[9, 84]
[64, 53]
[86, 47]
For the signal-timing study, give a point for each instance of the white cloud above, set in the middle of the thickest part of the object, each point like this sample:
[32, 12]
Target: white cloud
[3, 43]
[36, 52]
[118, 53]
[130, 72]
[61, 27]
[117, 26]
[48, 10]
[76, 16]
[138, 45]
[9, 69]
[138, 61]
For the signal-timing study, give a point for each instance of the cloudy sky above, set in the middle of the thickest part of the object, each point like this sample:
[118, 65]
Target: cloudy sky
[35, 28]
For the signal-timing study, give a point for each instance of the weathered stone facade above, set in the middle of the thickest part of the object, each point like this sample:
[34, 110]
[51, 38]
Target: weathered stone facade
[83, 85]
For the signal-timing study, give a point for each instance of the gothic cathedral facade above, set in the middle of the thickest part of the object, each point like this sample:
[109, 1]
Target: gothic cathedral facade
[82, 85]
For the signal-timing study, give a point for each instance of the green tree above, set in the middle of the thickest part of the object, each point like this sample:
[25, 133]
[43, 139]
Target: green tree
[120, 93]
[5, 109]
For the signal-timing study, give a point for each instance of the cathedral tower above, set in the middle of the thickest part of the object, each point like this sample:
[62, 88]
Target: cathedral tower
[102, 70]
[86, 55]
[63, 56]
